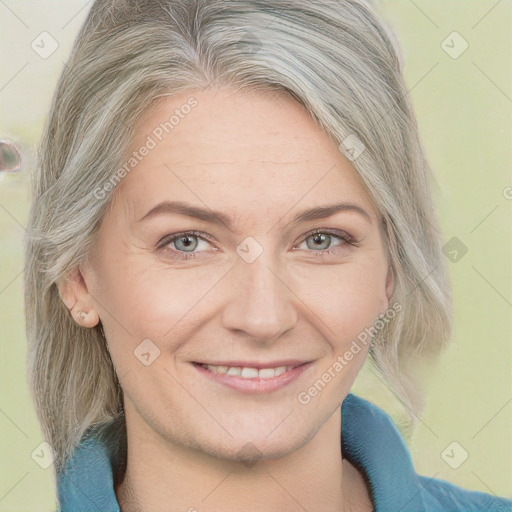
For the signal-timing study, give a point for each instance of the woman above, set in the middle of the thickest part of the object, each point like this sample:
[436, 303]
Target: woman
[231, 211]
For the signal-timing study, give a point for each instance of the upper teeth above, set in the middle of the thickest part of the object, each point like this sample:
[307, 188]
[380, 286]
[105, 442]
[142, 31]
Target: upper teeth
[249, 373]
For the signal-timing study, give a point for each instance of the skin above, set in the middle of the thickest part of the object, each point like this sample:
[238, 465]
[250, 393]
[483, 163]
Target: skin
[260, 159]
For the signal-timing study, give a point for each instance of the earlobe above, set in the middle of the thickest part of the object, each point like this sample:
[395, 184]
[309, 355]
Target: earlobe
[85, 318]
[76, 297]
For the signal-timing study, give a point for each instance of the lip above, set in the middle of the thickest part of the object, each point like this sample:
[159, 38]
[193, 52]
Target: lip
[257, 385]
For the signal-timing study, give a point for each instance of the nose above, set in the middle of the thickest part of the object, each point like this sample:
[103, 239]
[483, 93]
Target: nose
[261, 302]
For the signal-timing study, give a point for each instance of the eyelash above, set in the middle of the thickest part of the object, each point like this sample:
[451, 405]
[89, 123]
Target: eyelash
[164, 242]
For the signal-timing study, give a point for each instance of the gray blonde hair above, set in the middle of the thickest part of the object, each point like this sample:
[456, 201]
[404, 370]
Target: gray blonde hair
[334, 57]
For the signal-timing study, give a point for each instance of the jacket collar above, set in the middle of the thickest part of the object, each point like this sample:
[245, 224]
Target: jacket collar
[370, 441]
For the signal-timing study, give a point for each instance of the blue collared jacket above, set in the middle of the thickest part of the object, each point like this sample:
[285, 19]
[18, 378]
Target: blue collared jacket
[370, 440]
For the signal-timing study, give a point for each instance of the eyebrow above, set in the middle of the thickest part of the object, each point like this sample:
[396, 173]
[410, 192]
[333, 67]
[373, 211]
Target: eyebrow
[217, 217]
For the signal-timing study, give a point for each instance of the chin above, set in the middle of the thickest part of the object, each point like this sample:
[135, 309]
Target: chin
[277, 441]
[253, 449]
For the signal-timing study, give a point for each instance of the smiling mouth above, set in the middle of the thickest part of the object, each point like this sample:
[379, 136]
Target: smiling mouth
[247, 372]
[258, 378]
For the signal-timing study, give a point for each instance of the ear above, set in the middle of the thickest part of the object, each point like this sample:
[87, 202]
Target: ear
[390, 282]
[389, 287]
[75, 295]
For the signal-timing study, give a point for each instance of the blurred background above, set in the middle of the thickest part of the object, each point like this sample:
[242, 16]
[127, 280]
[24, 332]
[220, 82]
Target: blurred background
[457, 57]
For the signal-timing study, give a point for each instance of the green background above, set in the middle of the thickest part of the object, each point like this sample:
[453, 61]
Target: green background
[463, 106]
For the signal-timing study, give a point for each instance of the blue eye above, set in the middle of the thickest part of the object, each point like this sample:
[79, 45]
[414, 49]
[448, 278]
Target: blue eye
[188, 243]
[185, 244]
[322, 240]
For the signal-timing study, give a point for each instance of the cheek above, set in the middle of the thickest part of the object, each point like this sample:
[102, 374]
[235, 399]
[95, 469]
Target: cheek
[141, 300]
[345, 298]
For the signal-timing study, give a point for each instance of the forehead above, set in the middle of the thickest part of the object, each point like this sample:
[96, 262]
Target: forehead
[237, 150]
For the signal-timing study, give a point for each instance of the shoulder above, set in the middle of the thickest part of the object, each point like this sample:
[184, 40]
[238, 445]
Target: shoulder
[371, 440]
[441, 496]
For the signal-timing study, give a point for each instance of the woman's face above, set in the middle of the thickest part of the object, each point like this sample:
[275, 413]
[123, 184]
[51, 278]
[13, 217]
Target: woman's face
[252, 177]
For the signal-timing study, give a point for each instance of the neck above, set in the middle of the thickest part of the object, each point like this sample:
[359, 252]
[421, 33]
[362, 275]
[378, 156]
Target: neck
[160, 476]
